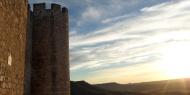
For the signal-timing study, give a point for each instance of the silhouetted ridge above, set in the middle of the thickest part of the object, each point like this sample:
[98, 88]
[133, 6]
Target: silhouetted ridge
[168, 87]
[81, 82]
[84, 88]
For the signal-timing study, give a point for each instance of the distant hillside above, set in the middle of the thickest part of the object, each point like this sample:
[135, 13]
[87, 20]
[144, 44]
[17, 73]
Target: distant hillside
[84, 88]
[169, 87]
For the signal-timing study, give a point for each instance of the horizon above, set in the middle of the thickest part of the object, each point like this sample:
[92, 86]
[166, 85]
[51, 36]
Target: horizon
[133, 82]
[128, 41]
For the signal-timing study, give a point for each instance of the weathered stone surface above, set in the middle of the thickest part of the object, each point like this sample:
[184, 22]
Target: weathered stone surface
[34, 53]
[13, 27]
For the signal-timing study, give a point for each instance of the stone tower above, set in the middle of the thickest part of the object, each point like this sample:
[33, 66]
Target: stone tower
[50, 51]
[13, 28]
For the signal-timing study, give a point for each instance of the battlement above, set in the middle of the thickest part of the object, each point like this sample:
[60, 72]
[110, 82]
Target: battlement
[38, 7]
[53, 6]
[64, 10]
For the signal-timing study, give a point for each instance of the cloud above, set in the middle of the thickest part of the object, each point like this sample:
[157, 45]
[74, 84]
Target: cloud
[91, 13]
[131, 74]
[130, 41]
[114, 19]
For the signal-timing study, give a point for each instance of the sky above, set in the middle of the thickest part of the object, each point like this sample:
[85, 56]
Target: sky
[128, 41]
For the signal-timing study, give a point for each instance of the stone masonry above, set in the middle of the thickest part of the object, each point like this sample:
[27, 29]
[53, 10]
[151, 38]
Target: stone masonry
[34, 49]
[13, 28]
[50, 70]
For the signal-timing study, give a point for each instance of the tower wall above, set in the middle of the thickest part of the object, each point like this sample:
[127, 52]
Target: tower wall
[13, 27]
[60, 30]
[41, 79]
[50, 62]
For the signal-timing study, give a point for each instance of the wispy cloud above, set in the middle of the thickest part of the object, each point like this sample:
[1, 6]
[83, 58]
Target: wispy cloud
[90, 13]
[116, 36]
[133, 41]
[114, 19]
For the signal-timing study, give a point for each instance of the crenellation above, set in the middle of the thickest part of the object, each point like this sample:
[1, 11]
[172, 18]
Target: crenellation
[64, 10]
[55, 7]
[39, 7]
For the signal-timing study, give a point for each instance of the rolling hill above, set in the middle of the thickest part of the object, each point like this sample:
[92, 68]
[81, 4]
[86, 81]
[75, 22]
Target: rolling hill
[84, 88]
[166, 87]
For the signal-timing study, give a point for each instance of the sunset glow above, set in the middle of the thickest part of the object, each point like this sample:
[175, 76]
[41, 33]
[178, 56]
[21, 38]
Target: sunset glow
[128, 41]
[176, 61]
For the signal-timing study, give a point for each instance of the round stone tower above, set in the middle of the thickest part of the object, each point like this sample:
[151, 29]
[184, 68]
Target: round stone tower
[50, 50]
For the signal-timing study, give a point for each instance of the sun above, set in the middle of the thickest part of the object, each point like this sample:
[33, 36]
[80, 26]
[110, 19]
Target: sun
[175, 61]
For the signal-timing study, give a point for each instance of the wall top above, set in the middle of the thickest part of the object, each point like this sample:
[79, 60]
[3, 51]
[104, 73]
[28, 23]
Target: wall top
[52, 6]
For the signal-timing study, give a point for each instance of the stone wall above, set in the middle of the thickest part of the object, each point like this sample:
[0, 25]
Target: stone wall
[50, 62]
[13, 27]
[28, 57]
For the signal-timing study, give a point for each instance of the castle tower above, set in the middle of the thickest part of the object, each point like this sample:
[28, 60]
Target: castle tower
[50, 51]
[13, 27]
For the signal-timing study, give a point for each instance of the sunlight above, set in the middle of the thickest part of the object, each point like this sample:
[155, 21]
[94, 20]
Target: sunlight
[175, 60]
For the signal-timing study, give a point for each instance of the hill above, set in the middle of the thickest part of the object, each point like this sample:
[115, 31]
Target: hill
[166, 87]
[84, 88]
